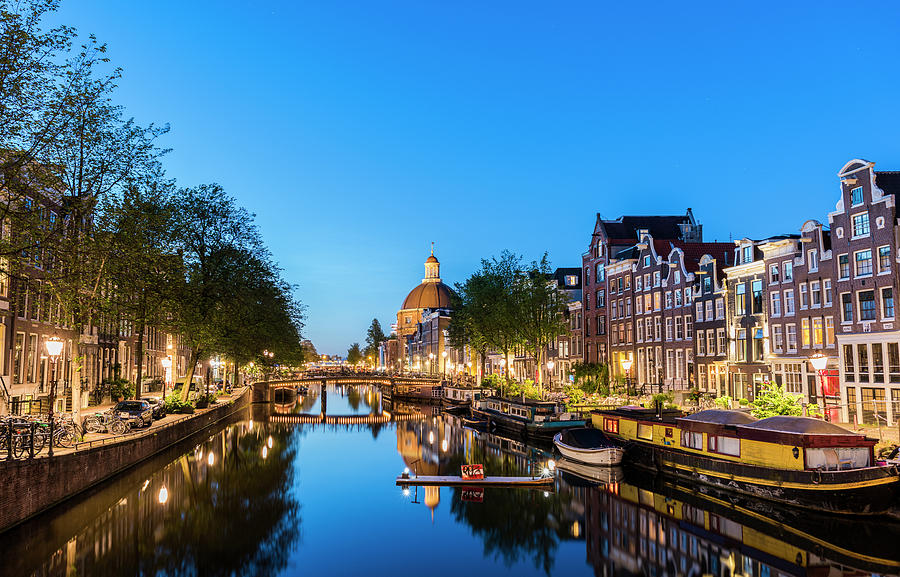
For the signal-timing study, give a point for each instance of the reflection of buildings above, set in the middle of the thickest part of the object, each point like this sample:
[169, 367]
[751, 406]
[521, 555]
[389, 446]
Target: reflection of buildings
[638, 532]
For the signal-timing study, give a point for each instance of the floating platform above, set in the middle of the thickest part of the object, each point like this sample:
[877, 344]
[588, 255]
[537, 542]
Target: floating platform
[451, 481]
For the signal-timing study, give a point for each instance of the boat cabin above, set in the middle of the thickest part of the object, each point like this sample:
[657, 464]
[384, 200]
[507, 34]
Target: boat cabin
[523, 409]
[781, 442]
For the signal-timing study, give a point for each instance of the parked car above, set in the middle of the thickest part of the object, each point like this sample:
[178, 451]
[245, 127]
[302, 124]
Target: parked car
[158, 405]
[138, 412]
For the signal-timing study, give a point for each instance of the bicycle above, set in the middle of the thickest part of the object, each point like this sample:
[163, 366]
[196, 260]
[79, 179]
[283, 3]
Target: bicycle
[106, 422]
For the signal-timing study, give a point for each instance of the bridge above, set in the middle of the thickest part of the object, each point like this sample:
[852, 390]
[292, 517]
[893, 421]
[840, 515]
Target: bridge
[263, 391]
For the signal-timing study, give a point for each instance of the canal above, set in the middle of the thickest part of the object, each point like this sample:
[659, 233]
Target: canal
[306, 486]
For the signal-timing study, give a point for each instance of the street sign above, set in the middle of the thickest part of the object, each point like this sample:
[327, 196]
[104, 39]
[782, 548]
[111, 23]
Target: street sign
[470, 472]
[472, 494]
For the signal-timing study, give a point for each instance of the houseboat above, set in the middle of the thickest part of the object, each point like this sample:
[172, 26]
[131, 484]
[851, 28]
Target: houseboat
[463, 395]
[796, 460]
[421, 392]
[525, 417]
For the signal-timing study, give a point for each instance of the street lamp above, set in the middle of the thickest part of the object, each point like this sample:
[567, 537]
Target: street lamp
[626, 364]
[550, 365]
[167, 365]
[444, 354]
[54, 348]
[819, 361]
[431, 359]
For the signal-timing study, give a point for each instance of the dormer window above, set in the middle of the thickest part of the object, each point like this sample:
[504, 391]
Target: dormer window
[571, 280]
[812, 260]
[647, 260]
[856, 196]
[748, 255]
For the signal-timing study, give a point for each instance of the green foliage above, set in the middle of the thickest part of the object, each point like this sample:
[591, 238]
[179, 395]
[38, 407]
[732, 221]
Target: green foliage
[205, 400]
[694, 395]
[774, 400]
[354, 354]
[118, 389]
[592, 378]
[723, 402]
[665, 399]
[175, 404]
[743, 402]
[374, 338]
[529, 389]
[493, 381]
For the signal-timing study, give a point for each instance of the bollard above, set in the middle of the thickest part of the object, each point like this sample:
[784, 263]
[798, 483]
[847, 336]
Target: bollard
[31, 441]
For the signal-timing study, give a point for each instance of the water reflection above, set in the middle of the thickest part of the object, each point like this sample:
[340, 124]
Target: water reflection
[234, 503]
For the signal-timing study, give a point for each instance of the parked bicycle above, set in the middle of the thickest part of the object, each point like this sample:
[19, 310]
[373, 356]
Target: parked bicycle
[106, 422]
[20, 435]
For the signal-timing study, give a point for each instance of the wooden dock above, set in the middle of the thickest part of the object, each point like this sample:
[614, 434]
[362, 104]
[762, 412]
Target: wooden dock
[451, 481]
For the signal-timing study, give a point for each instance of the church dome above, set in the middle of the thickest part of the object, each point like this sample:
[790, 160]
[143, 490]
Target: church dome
[431, 295]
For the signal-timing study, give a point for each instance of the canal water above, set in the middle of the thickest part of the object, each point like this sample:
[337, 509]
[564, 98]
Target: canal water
[306, 486]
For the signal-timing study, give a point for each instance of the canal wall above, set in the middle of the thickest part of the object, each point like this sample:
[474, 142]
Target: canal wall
[28, 487]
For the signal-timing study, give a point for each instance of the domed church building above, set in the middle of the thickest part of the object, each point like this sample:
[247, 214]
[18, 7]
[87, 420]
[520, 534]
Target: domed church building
[422, 323]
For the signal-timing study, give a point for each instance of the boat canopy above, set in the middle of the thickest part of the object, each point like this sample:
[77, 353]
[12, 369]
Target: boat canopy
[713, 419]
[802, 431]
[800, 425]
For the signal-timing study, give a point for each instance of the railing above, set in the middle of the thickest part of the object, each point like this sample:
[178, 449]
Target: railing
[78, 446]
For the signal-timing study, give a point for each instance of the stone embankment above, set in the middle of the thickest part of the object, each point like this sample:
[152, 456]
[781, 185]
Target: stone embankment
[35, 485]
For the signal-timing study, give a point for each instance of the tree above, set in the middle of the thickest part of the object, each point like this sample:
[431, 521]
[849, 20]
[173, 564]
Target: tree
[540, 311]
[773, 399]
[354, 354]
[374, 338]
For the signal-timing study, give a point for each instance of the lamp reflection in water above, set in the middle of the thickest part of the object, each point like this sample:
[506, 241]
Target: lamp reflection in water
[163, 495]
[211, 460]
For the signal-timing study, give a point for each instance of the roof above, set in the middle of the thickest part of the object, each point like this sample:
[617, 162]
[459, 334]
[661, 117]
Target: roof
[626, 227]
[889, 182]
[797, 425]
[560, 275]
[428, 295]
[694, 251]
[720, 417]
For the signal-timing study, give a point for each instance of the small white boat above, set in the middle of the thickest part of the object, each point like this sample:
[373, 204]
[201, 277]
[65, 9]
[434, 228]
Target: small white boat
[588, 446]
[576, 473]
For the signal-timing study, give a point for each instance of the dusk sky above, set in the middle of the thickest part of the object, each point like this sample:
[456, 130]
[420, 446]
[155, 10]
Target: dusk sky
[360, 132]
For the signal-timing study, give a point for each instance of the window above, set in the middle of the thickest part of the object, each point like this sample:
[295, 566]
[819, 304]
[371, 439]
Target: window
[638, 304]
[668, 299]
[787, 268]
[647, 260]
[679, 329]
[627, 307]
[720, 308]
[740, 299]
[756, 288]
[864, 263]
[725, 445]
[804, 297]
[657, 328]
[748, 255]
[687, 296]
[804, 332]
[640, 332]
[18, 359]
[677, 276]
[637, 283]
[778, 338]
[817, 332]
[862, 357]
[611, 425]
[656, 278]
[884, 259]
[894, 364]
[657, 301]
[844, 266]
[861, 224]
[856, 196]
[31, 355]
[678, 300]
[688, 327]
[846, 308]
[720, 341]
[775, 297]
[692, 440]
[601, 273]
[829, 331]
[571, 280]
[791, 331]
[699, 313]
[647, 281]
[773, 274]
[793, 378]
[866, 305]
[815, 290]
[707, 284]
[877, 363]
[828, 295]
[788, 302]
[701, 343]
[621, 284]
[741, 352]
[645, 431]
[709, 310]
[887, 302]
[668, 329]
[614, 311]
[848, 363]
[812, 259]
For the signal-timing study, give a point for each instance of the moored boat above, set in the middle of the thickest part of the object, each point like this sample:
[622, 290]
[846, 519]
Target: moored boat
[526, 417]
[588, 446]
[795, 460]
[459, 394]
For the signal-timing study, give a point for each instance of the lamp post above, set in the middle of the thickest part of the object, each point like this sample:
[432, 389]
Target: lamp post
[626, 364]
[550, 365]
[444, 370]
[819, 361]
[167, 365]
[54, 348]
[430, 363]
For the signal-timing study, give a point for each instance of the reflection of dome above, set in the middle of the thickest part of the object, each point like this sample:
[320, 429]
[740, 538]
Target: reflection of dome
[431, 295]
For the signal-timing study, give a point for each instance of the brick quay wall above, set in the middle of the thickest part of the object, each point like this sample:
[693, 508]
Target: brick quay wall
[30, 487]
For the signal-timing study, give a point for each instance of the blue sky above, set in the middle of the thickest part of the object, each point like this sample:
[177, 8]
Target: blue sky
[359, 132]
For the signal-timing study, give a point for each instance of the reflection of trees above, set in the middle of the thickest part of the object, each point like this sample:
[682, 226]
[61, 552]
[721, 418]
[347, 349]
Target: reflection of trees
[513, 523]
[353, 397]
[237, 517]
